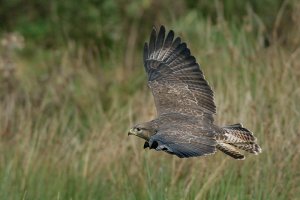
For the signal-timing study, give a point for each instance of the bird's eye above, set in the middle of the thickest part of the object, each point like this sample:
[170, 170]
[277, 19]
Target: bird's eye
[138, 129]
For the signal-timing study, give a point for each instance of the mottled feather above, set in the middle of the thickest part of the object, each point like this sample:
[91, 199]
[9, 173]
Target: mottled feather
[230, 150]
[175, 136]
[175, 78]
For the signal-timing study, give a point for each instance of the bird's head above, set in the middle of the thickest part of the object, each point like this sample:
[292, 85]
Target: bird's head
[144, 131]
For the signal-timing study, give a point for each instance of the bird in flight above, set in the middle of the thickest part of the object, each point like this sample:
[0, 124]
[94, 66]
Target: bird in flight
[185, 105]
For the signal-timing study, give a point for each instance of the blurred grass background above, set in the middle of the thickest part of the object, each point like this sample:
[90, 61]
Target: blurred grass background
[72, 84]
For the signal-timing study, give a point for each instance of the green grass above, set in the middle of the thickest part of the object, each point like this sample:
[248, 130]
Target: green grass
[65, 116]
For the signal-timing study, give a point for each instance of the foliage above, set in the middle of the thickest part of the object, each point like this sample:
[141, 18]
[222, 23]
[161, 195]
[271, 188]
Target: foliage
[103, 23]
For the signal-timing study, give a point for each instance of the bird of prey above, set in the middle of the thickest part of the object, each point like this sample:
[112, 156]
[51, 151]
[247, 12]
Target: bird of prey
[185, 105]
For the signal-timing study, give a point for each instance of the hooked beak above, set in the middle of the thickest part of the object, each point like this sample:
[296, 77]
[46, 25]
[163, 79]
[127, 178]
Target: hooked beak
[131, 132]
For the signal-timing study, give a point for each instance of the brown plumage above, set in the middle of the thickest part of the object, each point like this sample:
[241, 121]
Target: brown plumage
[237, 137]
[185, 105]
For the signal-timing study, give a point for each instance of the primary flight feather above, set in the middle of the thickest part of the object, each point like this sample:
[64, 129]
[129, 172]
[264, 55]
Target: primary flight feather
[185, 105]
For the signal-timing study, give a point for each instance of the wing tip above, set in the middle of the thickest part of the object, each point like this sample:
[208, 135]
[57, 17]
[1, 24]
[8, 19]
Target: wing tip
[155, 30]
[162, 28]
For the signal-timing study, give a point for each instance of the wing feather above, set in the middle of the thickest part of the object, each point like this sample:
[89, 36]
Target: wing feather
[160, 41]
[184, 144]
[152, 43]
[177, 83]
[167, 45]
[172, 48]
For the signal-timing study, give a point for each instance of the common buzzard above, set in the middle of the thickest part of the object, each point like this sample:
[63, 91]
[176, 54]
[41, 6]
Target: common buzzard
[185, 105]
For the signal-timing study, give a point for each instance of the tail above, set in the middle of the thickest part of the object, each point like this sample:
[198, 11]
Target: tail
[237, 137]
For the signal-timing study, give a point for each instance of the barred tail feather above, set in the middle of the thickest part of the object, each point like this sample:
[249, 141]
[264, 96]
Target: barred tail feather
[237, 137]
[251, 148]
[230, 150]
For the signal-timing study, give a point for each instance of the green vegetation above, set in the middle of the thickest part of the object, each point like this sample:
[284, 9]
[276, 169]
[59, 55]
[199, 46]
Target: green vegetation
[72, 84]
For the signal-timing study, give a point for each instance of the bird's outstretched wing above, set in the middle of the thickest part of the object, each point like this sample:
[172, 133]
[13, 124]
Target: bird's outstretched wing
[177, 83]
